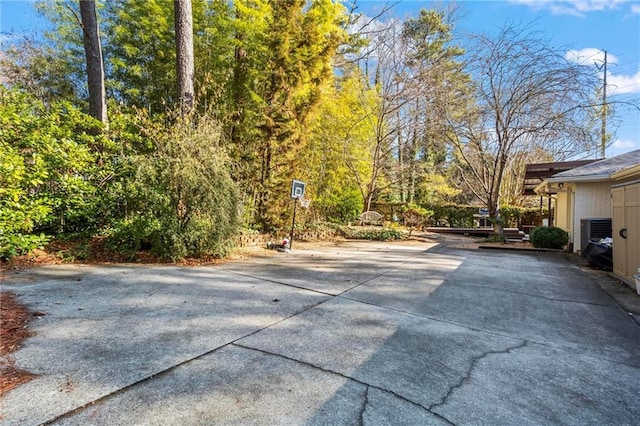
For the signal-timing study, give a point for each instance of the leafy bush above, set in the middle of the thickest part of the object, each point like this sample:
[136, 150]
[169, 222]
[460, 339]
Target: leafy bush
[45, 168]
[15, 244]
[366, 233]
[549, 237]
[183, 200]
[453, 215]
[131, 234]
[340, 206]
[19, 213]
[514, 216]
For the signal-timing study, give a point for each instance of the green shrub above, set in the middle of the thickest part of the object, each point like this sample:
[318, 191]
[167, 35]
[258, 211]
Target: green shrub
[132, 234]
[45, 157]
[514, 216]
[340, 206]
[15, 244]
[183, 200]
[511, 215]
[549, 237]
[452, 215]
[366, 233]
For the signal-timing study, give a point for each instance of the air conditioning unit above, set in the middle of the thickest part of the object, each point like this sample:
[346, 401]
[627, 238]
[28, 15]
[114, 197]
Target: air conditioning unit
[595, 229]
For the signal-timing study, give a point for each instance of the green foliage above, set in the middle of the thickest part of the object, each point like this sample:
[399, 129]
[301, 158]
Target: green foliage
[420, 210]
[129, 235]
[18, 212]
[340, 207]
[146, 185]
[515, 216]
[140, 52]
[369, 233]
[301, 40]
[511, 215]
[549, 237]
[415, 216]
[182, 200]
[40, 70]
[339, 154]
[435, 188]
[453, 216]
[46, 169]
[435, 78]
[495, 238]
[15, 244]
[265, 73]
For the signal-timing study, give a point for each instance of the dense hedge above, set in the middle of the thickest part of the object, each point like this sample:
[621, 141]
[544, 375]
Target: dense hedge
[460, 216]
[369, 233]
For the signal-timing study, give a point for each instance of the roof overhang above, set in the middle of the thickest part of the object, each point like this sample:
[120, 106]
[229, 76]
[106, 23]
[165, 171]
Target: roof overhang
[537, 173]
[631, 172]
[553, 185]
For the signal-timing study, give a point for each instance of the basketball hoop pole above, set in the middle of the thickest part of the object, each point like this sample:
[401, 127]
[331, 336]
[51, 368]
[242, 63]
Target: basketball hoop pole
[297, 193]
[293, 224]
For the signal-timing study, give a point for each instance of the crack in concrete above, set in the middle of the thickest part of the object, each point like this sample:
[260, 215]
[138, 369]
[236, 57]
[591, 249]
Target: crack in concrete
[497, 333]
[168, 370]
[365, 403]
[436, 249]
[470, 370]
[344, 376]
[539, 296]
[279, 282]
[386, 271]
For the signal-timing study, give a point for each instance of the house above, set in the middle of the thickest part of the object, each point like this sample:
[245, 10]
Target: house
[604, 189]
[536, 173]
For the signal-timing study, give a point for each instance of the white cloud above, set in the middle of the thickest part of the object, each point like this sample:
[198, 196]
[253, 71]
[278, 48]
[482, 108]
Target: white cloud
[617, 84]
[590, 56]
[624, 144]
[576, 7]
[621, 84]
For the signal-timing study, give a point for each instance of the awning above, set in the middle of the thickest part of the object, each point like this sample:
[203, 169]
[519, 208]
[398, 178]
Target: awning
[536, 174]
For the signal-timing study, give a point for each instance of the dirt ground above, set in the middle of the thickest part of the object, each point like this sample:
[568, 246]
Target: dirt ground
[15, 319]
[15, 316]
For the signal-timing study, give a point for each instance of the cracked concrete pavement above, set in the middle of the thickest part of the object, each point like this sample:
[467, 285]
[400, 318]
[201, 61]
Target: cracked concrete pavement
[351, 333]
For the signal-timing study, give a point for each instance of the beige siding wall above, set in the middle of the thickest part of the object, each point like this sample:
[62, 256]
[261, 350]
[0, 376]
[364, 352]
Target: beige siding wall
[591, 200]
[563, 217]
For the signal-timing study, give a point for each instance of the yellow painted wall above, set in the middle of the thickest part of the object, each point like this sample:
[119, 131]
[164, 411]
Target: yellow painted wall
[564, 212]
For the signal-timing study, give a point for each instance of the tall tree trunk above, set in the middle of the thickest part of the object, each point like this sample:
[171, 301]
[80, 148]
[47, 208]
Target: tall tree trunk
[184, 54]
[401, 165]
[93, 54]
[493, 205]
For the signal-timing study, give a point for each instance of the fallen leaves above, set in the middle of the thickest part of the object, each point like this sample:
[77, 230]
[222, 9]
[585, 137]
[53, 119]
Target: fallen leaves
[14, 319]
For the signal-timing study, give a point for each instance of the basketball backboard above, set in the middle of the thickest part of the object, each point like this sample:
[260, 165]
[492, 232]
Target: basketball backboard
[297, 189]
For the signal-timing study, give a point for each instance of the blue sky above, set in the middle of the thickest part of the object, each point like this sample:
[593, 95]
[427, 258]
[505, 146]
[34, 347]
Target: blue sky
[583, 28]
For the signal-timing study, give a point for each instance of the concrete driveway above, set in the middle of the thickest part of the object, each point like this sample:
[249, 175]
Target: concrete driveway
[352, 333]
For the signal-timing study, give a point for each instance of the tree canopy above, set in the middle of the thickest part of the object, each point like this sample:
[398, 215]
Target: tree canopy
[365, 110]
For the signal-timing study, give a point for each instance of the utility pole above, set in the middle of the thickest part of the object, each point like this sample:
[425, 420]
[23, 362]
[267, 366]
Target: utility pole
[603, 141]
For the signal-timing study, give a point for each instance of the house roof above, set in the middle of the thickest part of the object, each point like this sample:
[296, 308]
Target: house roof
[597, 171]
[600, 170]
[631, 172]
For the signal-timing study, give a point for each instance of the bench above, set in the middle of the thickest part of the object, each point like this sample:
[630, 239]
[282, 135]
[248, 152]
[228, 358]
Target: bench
[513, 234]
[370, 218]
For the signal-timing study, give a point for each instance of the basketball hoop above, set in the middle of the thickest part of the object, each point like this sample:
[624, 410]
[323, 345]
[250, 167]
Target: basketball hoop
[304, 202]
